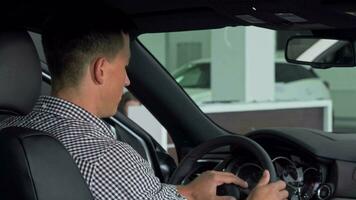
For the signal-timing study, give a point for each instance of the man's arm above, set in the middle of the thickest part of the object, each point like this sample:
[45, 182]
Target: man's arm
[121, 173]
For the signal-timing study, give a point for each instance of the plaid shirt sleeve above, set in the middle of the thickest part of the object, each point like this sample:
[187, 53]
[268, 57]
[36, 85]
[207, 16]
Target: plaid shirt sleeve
[121, 173]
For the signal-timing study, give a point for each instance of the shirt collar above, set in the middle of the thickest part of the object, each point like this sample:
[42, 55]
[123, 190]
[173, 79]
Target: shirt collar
[69, 110]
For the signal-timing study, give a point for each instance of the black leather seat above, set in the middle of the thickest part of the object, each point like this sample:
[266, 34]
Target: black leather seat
[20, 73]
[33, 165]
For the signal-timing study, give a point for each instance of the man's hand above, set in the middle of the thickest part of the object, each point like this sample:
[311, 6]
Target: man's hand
[272, 191]
[204, 187]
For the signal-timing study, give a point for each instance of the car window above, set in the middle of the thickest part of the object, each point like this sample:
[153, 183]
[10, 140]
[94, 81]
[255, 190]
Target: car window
[249, 85]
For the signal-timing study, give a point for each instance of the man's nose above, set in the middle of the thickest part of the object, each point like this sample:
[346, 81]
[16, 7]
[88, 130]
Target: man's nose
[127, 81]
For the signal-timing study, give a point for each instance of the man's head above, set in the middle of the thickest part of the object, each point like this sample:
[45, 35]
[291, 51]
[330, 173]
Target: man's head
[88, 55]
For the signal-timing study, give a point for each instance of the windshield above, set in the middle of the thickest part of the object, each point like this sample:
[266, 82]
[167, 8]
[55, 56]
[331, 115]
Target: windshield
[240, 79]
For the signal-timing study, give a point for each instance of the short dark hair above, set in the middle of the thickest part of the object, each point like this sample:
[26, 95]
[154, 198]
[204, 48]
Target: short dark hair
[72, 41]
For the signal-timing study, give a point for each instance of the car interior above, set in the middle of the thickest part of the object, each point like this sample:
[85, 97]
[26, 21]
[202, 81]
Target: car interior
[35, 166]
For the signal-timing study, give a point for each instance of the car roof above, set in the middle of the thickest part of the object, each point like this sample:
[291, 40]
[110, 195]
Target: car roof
[178, 15]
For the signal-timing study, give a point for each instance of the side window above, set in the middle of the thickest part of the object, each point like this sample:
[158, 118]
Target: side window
[131, 107]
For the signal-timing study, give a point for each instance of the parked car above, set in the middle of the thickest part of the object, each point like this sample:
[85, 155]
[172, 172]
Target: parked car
[292, 82]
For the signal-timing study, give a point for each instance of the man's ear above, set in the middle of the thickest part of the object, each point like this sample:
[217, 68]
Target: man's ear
[98, 69]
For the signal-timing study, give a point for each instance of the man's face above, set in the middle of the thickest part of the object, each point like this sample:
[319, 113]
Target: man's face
[116, 78]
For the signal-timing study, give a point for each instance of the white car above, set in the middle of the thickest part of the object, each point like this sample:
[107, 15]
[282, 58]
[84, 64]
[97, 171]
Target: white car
[293, 82]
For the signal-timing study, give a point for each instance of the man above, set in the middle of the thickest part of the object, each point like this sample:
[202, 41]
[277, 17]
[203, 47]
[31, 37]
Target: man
[87, 57]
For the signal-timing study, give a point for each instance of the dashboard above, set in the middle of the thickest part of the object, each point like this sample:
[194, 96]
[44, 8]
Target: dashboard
[305, 180]
[314, 165]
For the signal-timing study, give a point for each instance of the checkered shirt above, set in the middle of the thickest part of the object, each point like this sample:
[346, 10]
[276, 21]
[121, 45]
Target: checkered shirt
[112, 169]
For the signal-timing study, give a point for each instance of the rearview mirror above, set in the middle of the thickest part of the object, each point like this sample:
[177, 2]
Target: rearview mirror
[320, 52]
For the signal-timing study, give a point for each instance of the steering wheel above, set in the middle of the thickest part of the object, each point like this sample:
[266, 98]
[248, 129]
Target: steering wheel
[189, 162]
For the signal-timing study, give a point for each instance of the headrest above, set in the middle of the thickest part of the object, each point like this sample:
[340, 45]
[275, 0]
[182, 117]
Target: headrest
[20, 72]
